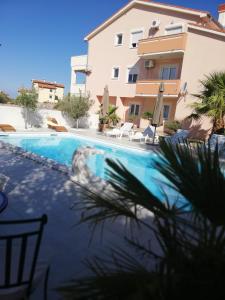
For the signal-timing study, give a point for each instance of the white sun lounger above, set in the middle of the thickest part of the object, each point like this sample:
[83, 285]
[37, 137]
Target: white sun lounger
[119, 132]
[146, 135]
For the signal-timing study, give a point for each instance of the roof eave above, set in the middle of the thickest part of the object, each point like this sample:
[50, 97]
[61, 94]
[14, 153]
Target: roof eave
[201, 14]
[193, 26]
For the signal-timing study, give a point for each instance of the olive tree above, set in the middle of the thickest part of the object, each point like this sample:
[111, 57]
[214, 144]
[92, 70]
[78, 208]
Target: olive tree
[28, 100]
[75, 107]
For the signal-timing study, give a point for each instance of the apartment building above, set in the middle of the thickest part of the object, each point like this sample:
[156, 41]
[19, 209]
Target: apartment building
[48, 91]
[146, 43]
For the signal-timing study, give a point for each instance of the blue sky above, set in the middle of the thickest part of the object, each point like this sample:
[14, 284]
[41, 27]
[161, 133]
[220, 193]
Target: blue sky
[39, 37]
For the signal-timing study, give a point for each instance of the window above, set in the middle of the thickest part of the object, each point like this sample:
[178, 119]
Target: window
[166, 112]
[134, 109]
[119, 39]
[136, 37]
[168, 73]
[174, 29]
[50, 97]
[132, 75]
[115, 73]
[50, 91]
[132, 78]
[56, 97]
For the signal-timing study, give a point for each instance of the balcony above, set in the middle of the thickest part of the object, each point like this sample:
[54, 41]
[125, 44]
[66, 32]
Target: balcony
[80, 64]
[166, 46]
[151, 87]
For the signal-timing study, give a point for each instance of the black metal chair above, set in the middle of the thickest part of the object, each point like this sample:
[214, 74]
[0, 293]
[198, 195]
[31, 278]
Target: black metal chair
[19, 250]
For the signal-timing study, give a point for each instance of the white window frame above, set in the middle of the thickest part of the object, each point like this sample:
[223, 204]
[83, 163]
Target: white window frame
[112, 75]
[168, 66]
[173, 26]
[136, 71]
[168, 111]
[134, 31]
[135, 104]
[116, 39]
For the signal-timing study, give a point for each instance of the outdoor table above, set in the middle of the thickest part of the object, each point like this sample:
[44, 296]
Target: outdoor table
[3, 201]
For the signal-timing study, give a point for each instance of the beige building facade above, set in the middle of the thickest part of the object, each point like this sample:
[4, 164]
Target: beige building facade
[146, 43]
[48, 92]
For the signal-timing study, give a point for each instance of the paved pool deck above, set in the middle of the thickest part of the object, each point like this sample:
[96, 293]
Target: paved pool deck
[35, 189]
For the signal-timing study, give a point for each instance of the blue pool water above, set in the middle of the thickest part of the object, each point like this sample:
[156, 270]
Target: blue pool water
[61, 149]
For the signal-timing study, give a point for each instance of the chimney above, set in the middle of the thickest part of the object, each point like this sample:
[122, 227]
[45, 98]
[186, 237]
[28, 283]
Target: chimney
[221, 11]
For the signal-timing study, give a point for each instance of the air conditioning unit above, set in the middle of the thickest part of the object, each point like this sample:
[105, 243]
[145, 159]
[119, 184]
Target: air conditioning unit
[149, 64]
[155, 24]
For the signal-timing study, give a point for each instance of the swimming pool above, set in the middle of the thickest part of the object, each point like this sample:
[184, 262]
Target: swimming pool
[60, 148]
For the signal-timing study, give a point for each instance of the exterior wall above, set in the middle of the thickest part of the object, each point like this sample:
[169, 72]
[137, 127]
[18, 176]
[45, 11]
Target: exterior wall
[104, 55]
[203, 56]
[13, 115]
[154, 73]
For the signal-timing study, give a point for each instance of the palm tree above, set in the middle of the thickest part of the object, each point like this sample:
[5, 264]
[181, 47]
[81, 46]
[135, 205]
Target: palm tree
[182, 253]
[212, 101]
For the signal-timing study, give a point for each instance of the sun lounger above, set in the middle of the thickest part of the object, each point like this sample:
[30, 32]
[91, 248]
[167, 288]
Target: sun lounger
[119, 132]
[53, 124]
[146, 135]
[7, 128]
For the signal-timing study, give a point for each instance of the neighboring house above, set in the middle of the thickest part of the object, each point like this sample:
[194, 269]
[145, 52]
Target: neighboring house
[47, 91]
[146, 43]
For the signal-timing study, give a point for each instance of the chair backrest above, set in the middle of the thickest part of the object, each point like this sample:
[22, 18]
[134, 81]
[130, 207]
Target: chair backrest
[127, 126]
[20, 242]
[179, 136]
[149, 131]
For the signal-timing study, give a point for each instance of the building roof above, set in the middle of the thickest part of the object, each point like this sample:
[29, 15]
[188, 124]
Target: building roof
[149, 3]
[221, 8]
[47, 84]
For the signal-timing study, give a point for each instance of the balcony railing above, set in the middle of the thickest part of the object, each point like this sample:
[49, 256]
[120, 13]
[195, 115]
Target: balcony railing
[151, 87]
[175, 43]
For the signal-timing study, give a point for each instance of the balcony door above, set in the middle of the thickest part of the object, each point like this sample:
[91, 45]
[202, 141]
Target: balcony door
[168, 72]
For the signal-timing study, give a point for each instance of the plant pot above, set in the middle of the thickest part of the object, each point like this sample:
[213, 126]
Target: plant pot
[102, 127]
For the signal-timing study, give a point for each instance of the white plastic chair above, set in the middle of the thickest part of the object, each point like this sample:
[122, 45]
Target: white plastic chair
[119, 132]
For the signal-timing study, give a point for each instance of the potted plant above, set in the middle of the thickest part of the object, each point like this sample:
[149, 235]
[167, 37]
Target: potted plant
[147, 115]
[102, 123]
[171, 127]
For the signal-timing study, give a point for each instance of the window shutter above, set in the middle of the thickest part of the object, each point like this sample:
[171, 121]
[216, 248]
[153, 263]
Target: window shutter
[136, 36]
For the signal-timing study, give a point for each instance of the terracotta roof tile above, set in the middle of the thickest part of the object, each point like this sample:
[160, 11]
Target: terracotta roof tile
[209, 26]
[51, 84]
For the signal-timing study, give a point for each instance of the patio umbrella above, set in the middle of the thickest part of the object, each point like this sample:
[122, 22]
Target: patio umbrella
[105, 101]
[157, 115]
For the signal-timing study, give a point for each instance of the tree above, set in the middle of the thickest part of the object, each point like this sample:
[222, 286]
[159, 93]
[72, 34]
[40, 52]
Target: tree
[28, 100]
[212, 101]
[175, 250]
[4, 98]
[75, 107]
